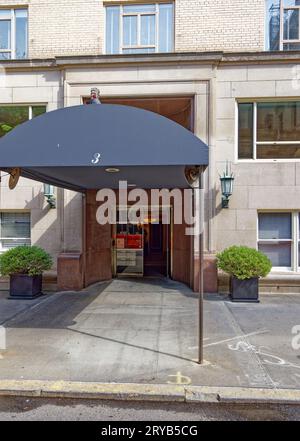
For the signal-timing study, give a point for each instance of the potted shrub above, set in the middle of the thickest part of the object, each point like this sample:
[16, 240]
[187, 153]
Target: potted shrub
[245, 266]
[25, 265]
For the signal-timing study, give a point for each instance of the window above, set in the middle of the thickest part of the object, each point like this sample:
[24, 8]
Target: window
[282, 27]
[14, 230]
[137, 29]
[275, 238]
[269, 130]
[13, 33]
[12, 116]
[298, 222]
[279, 239]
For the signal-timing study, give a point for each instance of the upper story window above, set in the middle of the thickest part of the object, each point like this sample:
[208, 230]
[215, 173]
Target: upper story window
[13, 33]
[137, 29]
[269, 130]
[283, 25]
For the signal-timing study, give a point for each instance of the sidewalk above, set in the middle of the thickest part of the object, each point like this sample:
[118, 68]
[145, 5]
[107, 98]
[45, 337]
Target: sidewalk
[144, 332]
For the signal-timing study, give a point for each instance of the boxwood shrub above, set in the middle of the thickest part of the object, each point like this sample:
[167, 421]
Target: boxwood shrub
[24, 260]
[244, 263]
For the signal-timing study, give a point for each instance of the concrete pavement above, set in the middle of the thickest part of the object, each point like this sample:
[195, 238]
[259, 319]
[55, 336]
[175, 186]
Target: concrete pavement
[145, 332]
[10, 308]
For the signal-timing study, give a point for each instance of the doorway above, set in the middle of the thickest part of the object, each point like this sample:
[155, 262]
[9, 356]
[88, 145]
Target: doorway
[156, 248]
[143, 249]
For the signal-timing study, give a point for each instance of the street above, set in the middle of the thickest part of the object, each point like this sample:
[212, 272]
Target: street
[38, 409]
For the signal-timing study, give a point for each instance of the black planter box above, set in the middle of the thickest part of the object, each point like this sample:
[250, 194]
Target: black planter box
[244, 290]
[23, 286]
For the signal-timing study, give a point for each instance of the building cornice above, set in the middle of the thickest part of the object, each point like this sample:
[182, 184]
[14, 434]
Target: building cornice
[213, 58]
[28, 64]
[265, 57]
[170, 58]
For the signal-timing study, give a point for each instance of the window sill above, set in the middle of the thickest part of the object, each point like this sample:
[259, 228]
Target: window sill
[284, 276]
[266, 161]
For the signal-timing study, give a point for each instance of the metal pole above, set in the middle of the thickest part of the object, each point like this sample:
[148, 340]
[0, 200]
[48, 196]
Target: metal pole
[168, 243]
[201, 286]
[84, 234]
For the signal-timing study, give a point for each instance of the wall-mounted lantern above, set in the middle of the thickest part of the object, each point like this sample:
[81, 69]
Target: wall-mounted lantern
[49, 195]
[226, 186]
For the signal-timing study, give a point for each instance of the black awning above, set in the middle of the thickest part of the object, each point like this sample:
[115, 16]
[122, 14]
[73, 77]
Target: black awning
[75, 146]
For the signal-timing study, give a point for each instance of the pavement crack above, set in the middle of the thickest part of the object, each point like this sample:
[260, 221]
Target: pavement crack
[158, 335]
[255, 372]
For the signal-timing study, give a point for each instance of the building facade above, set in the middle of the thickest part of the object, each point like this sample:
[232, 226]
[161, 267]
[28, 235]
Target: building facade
[229, 73]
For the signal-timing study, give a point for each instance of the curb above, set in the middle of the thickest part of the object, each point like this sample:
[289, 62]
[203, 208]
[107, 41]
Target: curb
[147, 392]
[240, 395]
[100, 391]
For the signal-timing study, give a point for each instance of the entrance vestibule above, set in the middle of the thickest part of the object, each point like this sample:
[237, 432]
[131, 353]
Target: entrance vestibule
[146, 249]
[147, 150]
[142, 248]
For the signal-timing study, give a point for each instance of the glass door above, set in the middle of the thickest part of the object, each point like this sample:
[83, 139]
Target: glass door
[129, 245]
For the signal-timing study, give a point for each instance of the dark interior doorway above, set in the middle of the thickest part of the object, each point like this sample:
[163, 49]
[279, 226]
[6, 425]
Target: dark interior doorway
[143, 249]
[156, 249]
